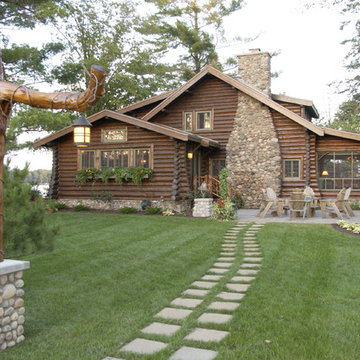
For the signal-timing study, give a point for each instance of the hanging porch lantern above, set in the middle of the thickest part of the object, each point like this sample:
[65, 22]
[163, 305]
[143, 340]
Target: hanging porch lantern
[82, 132]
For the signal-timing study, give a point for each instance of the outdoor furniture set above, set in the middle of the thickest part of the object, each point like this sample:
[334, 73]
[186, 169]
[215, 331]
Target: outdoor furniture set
[303, 203]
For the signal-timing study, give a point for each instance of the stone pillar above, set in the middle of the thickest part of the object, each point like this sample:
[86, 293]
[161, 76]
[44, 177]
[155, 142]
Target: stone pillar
[11, 302]
[254, 70]
[202, 207]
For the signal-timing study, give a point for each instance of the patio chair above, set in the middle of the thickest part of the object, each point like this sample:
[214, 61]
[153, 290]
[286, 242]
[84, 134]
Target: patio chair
[301, 207]
[335, 207]
[271, 203]
[347, 202]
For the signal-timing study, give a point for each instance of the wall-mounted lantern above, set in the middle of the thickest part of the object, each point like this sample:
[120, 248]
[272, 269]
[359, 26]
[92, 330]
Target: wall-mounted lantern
[189, 155]
[324, 173]
[82, 132]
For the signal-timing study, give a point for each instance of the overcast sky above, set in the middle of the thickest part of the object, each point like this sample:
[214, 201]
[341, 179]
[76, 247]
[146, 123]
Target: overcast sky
[311, 56]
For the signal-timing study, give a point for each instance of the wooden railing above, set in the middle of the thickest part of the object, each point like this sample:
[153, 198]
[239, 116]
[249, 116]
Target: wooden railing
[211, 182]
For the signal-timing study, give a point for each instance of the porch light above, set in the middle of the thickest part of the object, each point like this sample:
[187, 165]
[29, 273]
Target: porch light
[81, 131]
[189, 155]
[324, 173]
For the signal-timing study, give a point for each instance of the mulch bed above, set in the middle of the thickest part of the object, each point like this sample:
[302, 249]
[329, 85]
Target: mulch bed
[340, 229]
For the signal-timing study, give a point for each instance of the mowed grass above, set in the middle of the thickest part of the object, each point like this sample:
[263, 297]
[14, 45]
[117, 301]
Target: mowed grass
[107, 277]
[110, 274]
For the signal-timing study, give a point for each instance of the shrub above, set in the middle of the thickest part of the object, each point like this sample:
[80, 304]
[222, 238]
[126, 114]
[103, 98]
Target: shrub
[223, 185]
[223, 209]
[105, 174]
[355, 206]
[105, 196]
[27, 228]
[81, 207]
[238, 200]
[353, 227]
[128, 210]
[168, 212]
[60, 206]
[85, 175]
[153, 210]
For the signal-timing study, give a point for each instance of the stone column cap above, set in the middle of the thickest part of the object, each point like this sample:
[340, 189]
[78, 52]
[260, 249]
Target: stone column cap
[10, 266]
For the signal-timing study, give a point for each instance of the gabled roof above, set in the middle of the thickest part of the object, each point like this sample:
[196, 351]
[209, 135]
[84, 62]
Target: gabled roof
[342, 134]
[239, 85]
[160, 129]
[308, 104]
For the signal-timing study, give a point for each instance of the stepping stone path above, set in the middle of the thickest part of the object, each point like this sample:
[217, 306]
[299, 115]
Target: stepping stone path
[221, 289]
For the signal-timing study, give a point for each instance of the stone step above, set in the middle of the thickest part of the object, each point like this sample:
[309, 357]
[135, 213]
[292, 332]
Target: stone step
[173, 314]
[238, 287]
[196, 292]
[144, 346]
[206, 335]
[214, 318]
[223, 305]
[247, 265]
[225, 258]
[186, 302]
[218, 270]
[157, 328]
[191, 353]
[212, 277]
[204, 284]
[222, 265]
[225, 295]
[253, 259]
[252, 253]
[247, 272]
[242, 278]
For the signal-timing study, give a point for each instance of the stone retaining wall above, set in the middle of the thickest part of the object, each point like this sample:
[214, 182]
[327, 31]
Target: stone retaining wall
[178, 206]
[11, 303]
[202, 207]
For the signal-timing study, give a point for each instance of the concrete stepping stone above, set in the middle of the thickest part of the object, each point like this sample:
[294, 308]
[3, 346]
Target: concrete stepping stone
[254, 259]
[226, 258]
[238, 287]
[251, 246]
[196, 292]
[224, 295]
[227, 253]
[212, 277]
[144, 346]
[255, 253]
[207, 335]
[214, 318]
[252, 250]
[112, 358]
[247, 272]
[157, 328]
[173, 314]
[228, 245]
[242, 278]
[218, 270]
[222, 305]
[204, 284]
[246, 265]
[189, 303]
[222, 264]
[250, 242]
[190, 353]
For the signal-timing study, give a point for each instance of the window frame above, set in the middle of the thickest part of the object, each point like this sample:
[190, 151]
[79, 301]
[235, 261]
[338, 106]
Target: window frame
[194, 120]
[292, 178]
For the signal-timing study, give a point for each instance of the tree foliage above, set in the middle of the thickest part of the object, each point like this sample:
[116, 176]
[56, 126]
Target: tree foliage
[191, 26]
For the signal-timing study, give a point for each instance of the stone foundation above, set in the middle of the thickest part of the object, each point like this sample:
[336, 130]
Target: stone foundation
[202, 207]
[177, 206]
[11, 302]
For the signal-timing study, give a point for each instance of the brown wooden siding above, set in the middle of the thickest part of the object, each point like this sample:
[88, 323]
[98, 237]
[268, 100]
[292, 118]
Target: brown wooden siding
[209, 94]
[160, 185]
[293, 145]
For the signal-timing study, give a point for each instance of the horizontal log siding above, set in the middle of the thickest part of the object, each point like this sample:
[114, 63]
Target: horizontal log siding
[208, 94]
[292, 141]
[333, 143]
[159, 185]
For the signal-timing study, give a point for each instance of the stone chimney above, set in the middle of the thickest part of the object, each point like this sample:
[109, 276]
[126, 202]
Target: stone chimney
[254, 69]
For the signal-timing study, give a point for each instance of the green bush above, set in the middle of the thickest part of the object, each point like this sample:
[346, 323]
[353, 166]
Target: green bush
[81, 207]
[60, 206]
[355, 206]
[27, 227]
[153, 210]
[224, 209]
[128, 210]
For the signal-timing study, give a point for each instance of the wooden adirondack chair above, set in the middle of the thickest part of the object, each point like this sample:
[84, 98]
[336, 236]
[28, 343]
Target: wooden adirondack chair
[335, 207]
[270, 203]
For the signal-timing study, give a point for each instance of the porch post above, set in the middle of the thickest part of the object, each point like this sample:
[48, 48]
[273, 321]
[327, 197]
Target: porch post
[176, 174]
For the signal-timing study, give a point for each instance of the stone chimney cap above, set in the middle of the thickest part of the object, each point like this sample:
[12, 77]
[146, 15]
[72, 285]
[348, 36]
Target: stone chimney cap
[257, 50]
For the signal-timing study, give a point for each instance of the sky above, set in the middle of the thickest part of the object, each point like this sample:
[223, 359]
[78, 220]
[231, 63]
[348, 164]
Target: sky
[310, 54]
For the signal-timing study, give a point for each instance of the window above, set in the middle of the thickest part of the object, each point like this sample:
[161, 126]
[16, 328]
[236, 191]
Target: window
[87, 159]
[203, 120]
[113, 135]
[291, 169]
[114, 158]
[188, 125]
[338, 170]
[142, 157]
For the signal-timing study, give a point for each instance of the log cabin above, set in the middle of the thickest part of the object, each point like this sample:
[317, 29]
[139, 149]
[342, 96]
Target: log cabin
[187, 135]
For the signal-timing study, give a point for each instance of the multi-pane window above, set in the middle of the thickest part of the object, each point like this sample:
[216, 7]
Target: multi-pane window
[113, 135]
[87, 159]
[338, 170]
[112, 158]
[291, 169]
[198, 120]
[142, 157]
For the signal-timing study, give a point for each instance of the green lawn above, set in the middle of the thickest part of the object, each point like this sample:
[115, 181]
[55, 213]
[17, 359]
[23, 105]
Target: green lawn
[109, 275]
